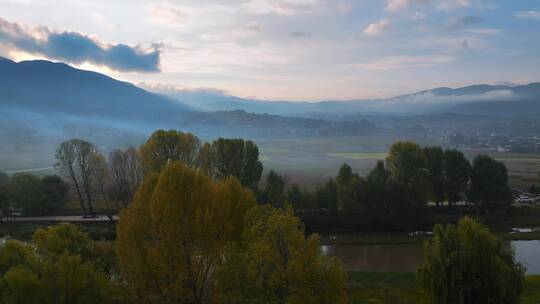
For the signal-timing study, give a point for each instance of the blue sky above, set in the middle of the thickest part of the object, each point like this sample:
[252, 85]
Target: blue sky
[284, 49]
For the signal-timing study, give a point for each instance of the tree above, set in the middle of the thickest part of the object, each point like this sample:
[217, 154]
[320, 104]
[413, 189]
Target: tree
[53, 194]
[489, 183]
[344, 176]
[4, 179]
[50, 270]
[5, 200]
[274, 189]
[206, 160]
[126, 174]
[457, 171]
[164, 147]
[238, 158]
[406, 163]
[25, 192]
[173, 237]
[467, 264]
[377, 188]
[435, 173]
[74, 160]
[275, 263]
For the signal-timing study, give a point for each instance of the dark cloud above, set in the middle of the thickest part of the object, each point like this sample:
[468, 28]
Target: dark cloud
[460, 22]
[77, 48]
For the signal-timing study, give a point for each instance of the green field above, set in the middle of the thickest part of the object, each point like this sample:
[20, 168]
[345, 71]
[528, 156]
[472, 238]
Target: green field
[310, 161]
[359, 155]
[401, 288]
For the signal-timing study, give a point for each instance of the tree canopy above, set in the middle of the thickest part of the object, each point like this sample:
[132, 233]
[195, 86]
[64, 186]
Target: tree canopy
[466, 264]
[276, 263]
[173, 237]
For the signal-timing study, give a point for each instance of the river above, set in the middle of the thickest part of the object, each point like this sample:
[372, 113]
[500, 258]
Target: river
[408, 257]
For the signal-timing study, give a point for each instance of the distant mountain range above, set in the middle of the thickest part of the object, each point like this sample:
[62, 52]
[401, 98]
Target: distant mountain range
[439, 100]
[47, 92]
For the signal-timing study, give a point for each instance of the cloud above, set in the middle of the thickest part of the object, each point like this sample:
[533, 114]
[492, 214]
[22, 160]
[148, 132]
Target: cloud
[169, 14]
[404, 62]
[78, 48]
[528, 15]
[300, 35]
[448, 5]
[396, 5]
[280, 7]
[254, 26]
[460, 22]
[378, 27]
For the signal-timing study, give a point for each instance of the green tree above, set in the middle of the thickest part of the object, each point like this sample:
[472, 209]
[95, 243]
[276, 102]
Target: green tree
[435, 173]
[53, 194]
[4, 179]
[50, 271]
[406, 163]
[468, 265]
[174, 236]
[274, 189]
[25, 192]
[377, 188]
[164, 147]
[345, 175]
[238, 158]
[5, 199]
[489, 183]
[457, 171]
[277, 264]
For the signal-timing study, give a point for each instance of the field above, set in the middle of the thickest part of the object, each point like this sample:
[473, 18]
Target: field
[401, 288]
[307, 161]
[312, 161]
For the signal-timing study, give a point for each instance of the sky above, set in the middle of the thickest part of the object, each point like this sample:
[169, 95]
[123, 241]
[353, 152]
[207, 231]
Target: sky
[283, 49]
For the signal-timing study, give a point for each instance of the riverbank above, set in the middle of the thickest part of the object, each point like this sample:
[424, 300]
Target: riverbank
[417, 237]
[391, 288]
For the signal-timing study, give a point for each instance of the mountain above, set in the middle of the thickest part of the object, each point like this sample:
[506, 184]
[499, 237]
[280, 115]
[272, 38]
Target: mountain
[429, 101]
[42, 98]
[43, 86]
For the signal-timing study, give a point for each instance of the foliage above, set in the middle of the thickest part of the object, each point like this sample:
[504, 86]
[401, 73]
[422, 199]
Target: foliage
[457, 171]
[274, 189]
[435, 173]
[238, 158]
[51, 270]
[276, 264]
[175, 233]
[164, 147]
[467, 264]
[34, 196]
[489, 183]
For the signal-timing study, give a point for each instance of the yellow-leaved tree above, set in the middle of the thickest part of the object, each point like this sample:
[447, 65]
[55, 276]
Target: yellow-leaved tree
[276, 263]
[174, 236]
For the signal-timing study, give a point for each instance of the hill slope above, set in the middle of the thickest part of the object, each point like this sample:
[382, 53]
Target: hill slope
[44, 86]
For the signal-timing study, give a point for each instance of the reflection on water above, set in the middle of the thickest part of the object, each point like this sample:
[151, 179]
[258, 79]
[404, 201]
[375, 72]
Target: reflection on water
[393, 258]
[408, 257]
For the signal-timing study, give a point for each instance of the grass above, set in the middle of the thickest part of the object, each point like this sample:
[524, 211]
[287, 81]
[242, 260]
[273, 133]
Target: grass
[401, 288]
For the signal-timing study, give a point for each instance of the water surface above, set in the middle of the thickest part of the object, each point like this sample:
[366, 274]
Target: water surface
[408, 257]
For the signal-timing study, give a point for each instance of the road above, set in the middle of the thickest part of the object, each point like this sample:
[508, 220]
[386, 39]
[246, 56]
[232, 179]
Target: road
[66, 218]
